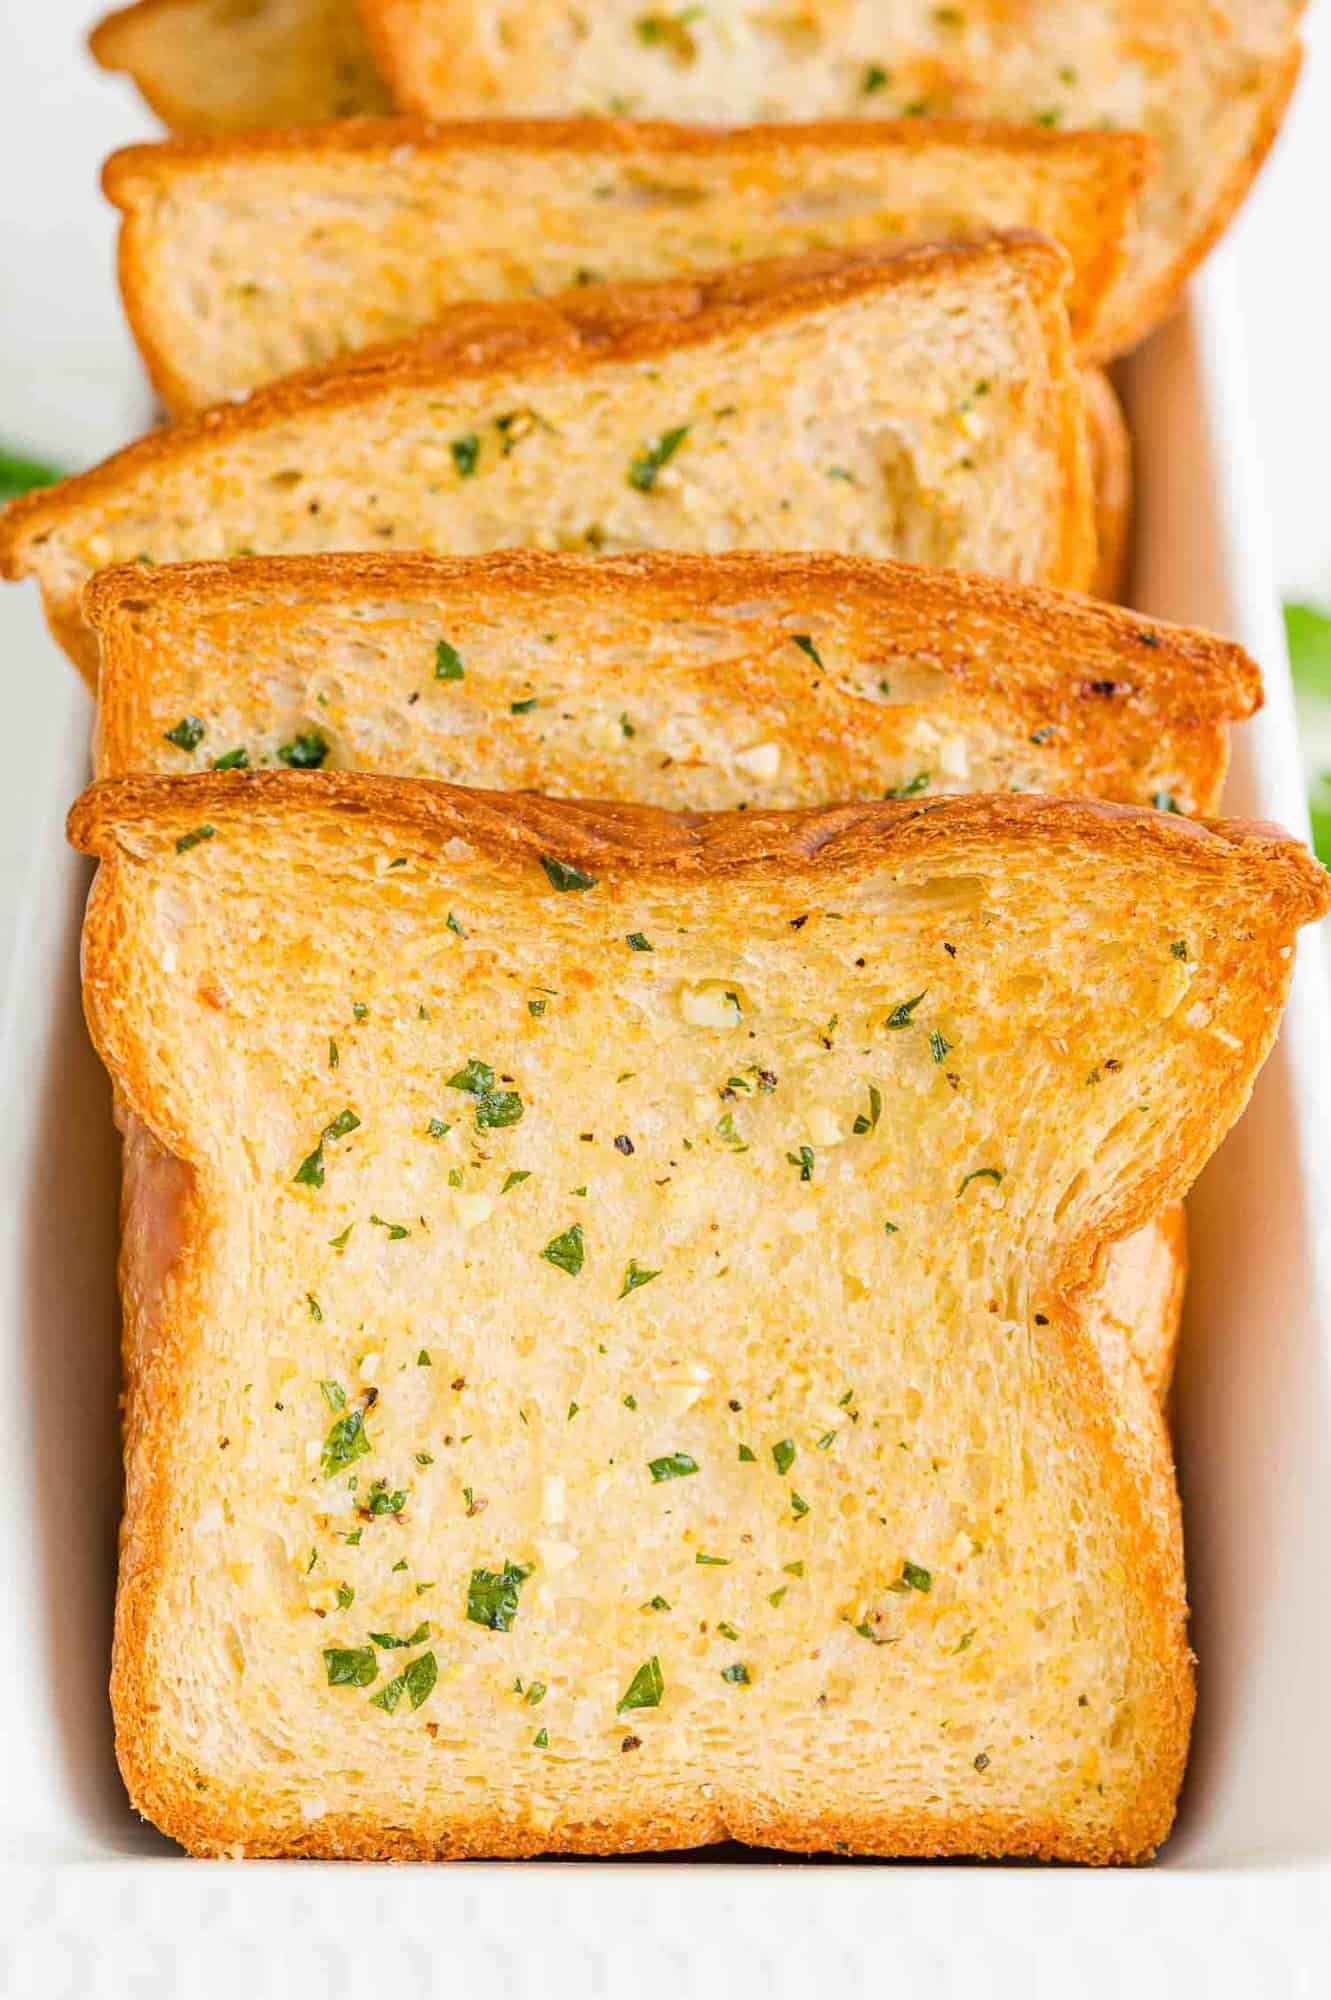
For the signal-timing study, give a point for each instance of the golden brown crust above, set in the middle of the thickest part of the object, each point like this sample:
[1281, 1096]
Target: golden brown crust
[632, 840]
[1109, 681]
[1111, 476]
[1121, 162]
[1137, 316]
[126, 822]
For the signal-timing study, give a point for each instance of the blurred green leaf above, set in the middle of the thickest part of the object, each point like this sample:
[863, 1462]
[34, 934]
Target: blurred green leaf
[1308, 632]
[20, 475]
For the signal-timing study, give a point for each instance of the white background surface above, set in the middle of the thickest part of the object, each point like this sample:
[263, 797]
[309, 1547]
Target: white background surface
[1251, 1924]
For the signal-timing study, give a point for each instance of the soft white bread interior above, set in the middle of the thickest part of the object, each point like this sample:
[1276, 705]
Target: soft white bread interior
[495, 1162]
[923, 404]
[219, 65]
[682, 681]
[246, 258]
[1207, 79]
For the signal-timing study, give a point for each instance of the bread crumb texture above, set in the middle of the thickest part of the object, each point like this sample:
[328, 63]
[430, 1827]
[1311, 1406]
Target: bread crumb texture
[604, 1356]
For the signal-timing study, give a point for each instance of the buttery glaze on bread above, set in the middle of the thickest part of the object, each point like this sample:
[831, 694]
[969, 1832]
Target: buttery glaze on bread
[921, 404]
[1209, 81]
[620, 1392]
[245, 258]
[681, 681]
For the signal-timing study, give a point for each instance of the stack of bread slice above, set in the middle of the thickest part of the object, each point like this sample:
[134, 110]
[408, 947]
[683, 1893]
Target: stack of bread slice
[666, 968]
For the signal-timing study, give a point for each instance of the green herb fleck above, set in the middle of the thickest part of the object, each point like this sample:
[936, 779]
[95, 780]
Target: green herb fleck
[645, 1689]
[901, 1013]
[747, 1457]
[310, 1172]
[875, 78]
[345, 1443]
[804, 1160]
[447, 662]
[466, 451]
[233, 760]
[635, 1276]
[566, 1250]
[918, 783]
[994, 1174]
[676, 1465]
[783, 1455]
[187, 734]
[350, 1666]
[492, 1596]
[193, 838]
[806, 645]
[563, 875]
[648, 463]
[799, 1506]
[305, 752]
[637, 942]
[494, 1108]
[737, 1673]
[866, 1123]
[541, 1740]
[939, 1045]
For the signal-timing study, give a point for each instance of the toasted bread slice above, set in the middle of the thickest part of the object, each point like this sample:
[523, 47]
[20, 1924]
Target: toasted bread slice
[218, 65]
[923, 404]
[243, 259]
[720, 1369]
[1207, 79]
[688, 682]
[685, 682]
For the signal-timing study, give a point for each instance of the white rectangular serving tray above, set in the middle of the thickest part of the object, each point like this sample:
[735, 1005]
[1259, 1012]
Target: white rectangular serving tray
[93, 1902]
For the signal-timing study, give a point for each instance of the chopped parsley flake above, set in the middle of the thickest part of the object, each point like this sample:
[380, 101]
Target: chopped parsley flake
[657, 1603]
[912, 786]
[783, 1455]
[492, 1596]
[711, 1562]
[901, 1013]
[939, 1045]
[192, 839]
[806, 645]
[345, 1443]
[350, 1666]
[804, 1160]
[737, 1673]
[645, 1689]
[541, 1740]
[799, 1506]
[187, 734]
[447, 662]
[635, 1276]
[566, 1250]
[637, 942]
[310, 1172]
[494, 1108]
[865, 1122]
[386, 1641]
[994, 1174]
[676, 1465]
[305, 751]
[466, 451]
[563, 875]
[875, 78]
[232, 760]
[515, 1179]
[334, 1395]
[747, 1457]
[645, 467]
